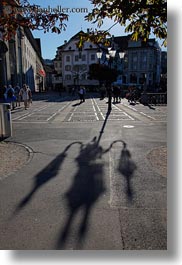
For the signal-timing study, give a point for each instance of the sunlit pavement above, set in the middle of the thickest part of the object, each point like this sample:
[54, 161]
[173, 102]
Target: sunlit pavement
[89, 184]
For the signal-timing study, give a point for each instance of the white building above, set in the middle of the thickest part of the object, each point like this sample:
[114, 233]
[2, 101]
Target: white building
[33, 65]
[21, 61]
[72, 64]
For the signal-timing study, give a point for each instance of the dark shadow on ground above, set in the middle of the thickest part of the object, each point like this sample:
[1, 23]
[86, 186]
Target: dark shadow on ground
[85, 190]
[150, 107]
[126, 167]
[56, 97]
[77, 104]
[47, 174]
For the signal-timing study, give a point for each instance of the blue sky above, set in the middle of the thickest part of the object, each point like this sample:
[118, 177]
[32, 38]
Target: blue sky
[76, 22]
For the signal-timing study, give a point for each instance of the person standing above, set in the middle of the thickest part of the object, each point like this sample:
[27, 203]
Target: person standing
[81, 94]
[24, 93]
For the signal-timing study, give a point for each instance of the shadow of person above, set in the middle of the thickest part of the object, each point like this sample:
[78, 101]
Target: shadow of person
[127, 167]
[85, 189]
[77, 104]
[44, 176]
[151, 107]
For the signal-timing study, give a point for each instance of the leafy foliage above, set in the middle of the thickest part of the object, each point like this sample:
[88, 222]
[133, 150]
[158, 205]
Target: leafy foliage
[16, 13]
[102, 72]
[94, 36]
[141, 17]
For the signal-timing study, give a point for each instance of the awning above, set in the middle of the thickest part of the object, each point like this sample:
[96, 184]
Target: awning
[42, 72]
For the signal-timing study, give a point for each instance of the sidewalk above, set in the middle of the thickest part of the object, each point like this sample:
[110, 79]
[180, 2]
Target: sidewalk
[12, 157]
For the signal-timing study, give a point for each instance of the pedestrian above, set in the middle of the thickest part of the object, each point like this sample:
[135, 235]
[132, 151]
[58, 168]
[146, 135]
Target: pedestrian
[24, 93]
[82, 94]
[30, 96]
[17, 95]
[73, 91]
[10, 96]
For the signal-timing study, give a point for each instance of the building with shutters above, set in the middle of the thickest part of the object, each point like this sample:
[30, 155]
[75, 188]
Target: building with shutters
[72, 64]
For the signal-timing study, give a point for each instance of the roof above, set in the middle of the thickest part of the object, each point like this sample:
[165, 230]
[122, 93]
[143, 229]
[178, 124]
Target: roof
[122, 41]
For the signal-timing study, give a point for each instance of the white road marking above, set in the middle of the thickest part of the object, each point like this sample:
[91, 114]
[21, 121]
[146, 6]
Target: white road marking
[99, 110]
[94, 110]
[21, 117]
[72, 113]
[124, 113]
[59, 110]
[147, 115]
[132, 108]
[128, 126]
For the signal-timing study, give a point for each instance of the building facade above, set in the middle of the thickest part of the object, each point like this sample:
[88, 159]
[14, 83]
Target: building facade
[72, 64]
[21, 61]
[143, 64]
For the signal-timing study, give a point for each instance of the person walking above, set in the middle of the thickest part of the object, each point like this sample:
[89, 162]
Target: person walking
[30, 96]
[24, 93]
[17, 95]
[10, 96]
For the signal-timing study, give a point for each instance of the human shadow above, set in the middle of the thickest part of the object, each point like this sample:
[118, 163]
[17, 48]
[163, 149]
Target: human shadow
[85, 190]
[126, 167]
[151, 107]
[77, 104]
[44, 176]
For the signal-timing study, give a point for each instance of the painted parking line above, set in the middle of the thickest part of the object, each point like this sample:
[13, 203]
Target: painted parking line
[72, 113]
[57, 112]
[102, 115]
[124, 113]
[95, 112]
[21, 117]
[148, 116]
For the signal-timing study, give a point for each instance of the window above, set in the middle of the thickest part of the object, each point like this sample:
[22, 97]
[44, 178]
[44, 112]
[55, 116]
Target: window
[68, 67]
[68, 77]
[83, 57]
[76, 67]
[92, 57]
[68, 59]
[76, 58]
[135, 59]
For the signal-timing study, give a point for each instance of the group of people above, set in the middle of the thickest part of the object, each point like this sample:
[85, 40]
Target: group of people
[16, 95]
[117, 94]
[114, 90]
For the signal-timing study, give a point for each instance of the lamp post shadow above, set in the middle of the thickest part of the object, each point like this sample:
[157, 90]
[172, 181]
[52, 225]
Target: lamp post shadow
[85, 190]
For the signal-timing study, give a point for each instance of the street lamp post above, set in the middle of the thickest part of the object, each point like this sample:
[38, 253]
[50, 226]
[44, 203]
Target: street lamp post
[109, 56]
